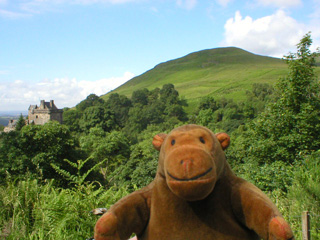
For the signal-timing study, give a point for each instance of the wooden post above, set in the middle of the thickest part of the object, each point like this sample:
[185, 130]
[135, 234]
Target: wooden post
[305, 225]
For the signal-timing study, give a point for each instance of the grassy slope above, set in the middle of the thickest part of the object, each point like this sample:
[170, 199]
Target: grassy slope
[220, 72]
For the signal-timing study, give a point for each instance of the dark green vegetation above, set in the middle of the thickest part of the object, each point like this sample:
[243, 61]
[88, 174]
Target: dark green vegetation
[53, 175]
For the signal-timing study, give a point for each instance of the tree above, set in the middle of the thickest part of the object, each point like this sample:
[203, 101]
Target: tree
[141, 167]
[154, 107]
[43, 145]
[120, 105]
[97, 116]
[91, 100]
[301, 86]
[222, 115]
[71, 118]
[20, 123]
[13, 160]
[34, 148]
[289, 128]
[256, 99]
[169, 96]
[140, 96]
[208, 103]
[111, 148]
[261, 91]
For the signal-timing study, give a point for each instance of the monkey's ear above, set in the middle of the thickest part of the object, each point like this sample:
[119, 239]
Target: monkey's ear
[224, 140]
[158, 140]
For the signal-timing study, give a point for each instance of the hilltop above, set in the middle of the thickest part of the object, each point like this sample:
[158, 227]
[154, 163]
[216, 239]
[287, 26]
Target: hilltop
[220, 72]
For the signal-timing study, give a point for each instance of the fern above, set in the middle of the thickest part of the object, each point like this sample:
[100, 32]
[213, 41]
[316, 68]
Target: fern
[79, 178]
[40, 211]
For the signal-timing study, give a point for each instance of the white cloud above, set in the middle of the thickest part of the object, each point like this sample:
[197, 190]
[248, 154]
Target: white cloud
[154, 9]
[3, 72]
[66, 92]
[273, 35]
[314, 25]
[280, 3]
[12, 14]
[187, 4]
[223, 3]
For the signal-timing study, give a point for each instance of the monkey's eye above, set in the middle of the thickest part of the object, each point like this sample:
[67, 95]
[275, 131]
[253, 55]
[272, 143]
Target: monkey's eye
[173, 142]
[202, 140]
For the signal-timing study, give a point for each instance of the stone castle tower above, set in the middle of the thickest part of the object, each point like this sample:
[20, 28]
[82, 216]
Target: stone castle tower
[45, 112]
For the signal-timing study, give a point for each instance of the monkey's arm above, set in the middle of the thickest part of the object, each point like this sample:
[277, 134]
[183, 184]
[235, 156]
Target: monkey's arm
[129, 215]
[255, 210]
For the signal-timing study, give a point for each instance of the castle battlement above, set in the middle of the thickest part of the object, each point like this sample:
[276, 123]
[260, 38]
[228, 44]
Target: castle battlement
[43, 113]
[39, 115]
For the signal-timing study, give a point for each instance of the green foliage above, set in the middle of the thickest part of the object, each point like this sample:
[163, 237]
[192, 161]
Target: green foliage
[261, 91]
[97, 116]
[34, 148]
[268, 177]
[130, 115]
[140, 97]
[169, 96]
[305, 192]
[20, 123]
[31, 210]
[290, 126]
[90, 101]
[12, 157]
[94, 112]
[119, 105]
[303, 195]
[225, 115]
[17, 201]
[108, 149]
[261, 94]
[50, 143]
[154, 107]
[300, 86]
[276, 151]
[80, 177]
[141, 168]
[71, 118]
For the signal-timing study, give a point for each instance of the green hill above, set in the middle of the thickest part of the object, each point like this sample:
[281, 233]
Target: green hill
[221, 72]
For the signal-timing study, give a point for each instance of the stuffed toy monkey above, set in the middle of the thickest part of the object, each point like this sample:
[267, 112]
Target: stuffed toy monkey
[194, 196]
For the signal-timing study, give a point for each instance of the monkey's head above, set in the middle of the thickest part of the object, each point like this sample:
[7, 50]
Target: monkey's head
[191, 160]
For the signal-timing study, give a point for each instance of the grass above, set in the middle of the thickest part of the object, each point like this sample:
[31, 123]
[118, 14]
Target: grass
[220, 72]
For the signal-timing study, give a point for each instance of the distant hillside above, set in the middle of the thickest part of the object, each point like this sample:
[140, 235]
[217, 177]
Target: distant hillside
[5, 116]
[4, 121]
[220, 72]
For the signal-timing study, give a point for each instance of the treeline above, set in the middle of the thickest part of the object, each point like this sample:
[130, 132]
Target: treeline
[103, 151]
[116, 135]
[130, 115]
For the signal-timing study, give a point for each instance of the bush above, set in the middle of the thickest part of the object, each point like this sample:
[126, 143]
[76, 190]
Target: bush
[268, 177]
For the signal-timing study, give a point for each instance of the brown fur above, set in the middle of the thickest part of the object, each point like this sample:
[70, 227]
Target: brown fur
[194, 196]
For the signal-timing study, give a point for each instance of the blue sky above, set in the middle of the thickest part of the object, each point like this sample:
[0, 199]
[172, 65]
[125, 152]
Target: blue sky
[66, 49]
